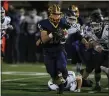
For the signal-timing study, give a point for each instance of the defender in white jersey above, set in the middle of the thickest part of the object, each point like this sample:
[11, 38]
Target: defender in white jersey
[97, 33]
[73, 83]
[5, 25]
[5, 22]
[74, 36]
[102, 40]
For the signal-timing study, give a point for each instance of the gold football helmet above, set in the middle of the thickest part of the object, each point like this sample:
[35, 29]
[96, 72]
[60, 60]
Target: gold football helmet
[75, 9]
[54, 13]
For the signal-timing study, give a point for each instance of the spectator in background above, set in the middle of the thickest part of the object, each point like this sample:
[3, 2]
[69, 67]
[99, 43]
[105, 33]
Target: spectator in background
[22, 15]
[22, 36]
[44, 15]
[12, 51]
[30, 29]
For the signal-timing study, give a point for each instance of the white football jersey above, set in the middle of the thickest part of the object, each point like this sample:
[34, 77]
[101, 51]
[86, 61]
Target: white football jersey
[88, 32]
[105, 34]
[4, 25]
[6, 22]
[74, 28]
[71, 78]
[71, 82]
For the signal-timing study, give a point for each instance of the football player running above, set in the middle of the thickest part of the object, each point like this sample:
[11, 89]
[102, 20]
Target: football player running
[53, 34]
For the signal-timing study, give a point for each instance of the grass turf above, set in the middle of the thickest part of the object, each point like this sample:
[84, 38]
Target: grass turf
[27, 80]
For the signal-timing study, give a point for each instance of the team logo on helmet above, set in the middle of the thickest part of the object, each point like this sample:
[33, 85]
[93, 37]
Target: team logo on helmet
[54, 9]
[74, 9]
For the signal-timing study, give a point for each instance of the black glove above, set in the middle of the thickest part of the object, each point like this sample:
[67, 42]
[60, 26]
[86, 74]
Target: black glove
[58, 34]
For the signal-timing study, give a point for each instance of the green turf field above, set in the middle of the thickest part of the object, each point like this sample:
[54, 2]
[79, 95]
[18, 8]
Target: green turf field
[31, 80]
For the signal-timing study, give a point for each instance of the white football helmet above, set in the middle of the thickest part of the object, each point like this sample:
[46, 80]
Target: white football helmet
[96, 27]
[52, 86]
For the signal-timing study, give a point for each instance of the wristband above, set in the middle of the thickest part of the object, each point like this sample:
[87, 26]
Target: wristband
[96, 47]
[50, 35]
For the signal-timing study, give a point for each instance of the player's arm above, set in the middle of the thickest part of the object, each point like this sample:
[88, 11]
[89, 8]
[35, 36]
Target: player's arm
[82, 39]
[9, 26]
[65, 33]
[45, 37]
[38, 42]
[95, 45]
[85, 42]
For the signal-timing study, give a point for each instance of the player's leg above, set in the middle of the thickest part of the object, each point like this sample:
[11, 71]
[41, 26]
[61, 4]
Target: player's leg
[79, 83]
[97, 79]
[105, 66]
[55, 73]
[50, 65]
[62, 63]
[89, 64]
[98, 59]
[79, 57]
[61, 66]
[89, 68]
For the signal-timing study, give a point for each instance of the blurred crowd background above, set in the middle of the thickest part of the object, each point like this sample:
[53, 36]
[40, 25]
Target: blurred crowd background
[21, 45]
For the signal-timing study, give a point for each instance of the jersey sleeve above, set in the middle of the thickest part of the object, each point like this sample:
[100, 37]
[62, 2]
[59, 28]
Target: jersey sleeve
[105, 31]
[41, 27]
[8, 20]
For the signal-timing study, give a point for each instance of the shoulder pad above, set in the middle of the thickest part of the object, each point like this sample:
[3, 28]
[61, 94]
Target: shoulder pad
[8, 19]
[41, 24]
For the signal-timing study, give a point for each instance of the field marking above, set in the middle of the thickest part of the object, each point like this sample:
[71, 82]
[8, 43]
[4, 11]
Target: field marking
[24, 73]
[43, 66]
[40, 74]
[14, 65]
[22, 84]
[22, 78]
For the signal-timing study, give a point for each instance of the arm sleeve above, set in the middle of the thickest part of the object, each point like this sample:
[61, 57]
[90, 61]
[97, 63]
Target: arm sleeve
[8, 20]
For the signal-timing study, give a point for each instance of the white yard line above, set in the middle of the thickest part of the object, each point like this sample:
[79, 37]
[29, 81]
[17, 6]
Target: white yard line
[38, 74]
[24, 73]
[22, 78]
